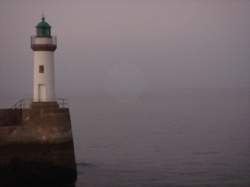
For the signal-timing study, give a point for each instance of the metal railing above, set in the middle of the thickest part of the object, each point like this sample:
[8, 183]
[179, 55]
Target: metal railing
[62, 102]
[43, 40]
[22, 104]
[26, 103]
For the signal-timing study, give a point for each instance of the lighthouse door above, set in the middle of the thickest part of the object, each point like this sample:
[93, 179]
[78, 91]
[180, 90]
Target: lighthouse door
[41, 92]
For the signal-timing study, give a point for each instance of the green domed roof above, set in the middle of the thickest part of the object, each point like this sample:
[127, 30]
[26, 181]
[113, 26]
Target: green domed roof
[43, 29]
[43, 24]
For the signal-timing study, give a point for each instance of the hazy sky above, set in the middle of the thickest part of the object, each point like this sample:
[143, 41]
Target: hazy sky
[127, 47]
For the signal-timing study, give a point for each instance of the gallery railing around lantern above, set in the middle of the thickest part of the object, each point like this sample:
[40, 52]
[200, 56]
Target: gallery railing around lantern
[43, 43]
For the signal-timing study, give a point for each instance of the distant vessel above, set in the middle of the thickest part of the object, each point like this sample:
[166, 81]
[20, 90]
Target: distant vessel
[36, 141]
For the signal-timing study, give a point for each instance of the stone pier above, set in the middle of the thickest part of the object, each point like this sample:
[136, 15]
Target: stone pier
[36, 144]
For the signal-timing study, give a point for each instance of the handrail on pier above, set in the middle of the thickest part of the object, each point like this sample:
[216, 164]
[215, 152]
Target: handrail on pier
[22, 104]
[26, 103]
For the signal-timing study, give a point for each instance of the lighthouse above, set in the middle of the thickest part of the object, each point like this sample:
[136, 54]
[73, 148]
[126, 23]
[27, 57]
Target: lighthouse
[43, 46]
[36, 139]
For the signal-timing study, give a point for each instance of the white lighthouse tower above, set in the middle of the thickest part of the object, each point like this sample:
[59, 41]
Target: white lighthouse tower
[43, 45]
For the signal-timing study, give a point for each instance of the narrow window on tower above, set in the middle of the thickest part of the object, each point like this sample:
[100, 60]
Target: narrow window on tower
[41, 69]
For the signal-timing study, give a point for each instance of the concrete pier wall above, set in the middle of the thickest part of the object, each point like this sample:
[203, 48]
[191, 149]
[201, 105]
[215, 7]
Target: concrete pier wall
[43, 122]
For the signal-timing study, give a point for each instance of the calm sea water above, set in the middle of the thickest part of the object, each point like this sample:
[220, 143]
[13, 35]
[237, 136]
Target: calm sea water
[181, 138]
